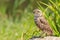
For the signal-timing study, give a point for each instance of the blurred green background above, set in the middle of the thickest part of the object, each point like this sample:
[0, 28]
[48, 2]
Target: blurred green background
[17, 19]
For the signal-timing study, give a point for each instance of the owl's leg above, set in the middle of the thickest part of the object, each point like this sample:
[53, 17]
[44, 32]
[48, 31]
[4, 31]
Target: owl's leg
[49, 33]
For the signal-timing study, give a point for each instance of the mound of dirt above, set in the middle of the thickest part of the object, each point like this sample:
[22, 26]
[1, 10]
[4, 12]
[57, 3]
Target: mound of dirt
[47, 38]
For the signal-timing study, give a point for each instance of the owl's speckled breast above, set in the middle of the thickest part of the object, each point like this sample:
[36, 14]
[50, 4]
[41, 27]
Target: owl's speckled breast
[36, 19]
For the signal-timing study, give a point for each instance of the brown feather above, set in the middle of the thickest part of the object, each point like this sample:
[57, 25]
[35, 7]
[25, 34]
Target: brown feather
[41, 22]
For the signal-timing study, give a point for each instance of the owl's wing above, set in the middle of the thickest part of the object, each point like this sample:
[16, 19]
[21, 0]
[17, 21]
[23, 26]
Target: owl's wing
[45, 25]
[43, 21]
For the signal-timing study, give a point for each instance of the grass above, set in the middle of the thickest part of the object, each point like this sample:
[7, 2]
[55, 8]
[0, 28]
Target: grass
[26, 28]
[53, 15]
[22, 30]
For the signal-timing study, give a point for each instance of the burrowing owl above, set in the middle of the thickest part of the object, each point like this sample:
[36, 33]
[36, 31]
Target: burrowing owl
[41, 22]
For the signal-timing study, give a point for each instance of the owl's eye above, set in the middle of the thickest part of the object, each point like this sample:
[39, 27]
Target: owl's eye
[38, 11]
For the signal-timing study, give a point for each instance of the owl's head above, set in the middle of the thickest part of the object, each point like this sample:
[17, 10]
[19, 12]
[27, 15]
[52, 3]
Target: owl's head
[37, 12]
